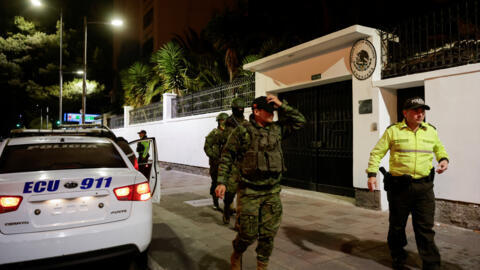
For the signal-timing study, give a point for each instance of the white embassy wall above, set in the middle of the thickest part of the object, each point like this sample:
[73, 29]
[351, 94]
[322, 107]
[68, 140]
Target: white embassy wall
[454, 102]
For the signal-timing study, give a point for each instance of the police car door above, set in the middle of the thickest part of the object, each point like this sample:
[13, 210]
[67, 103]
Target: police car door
[146, 155]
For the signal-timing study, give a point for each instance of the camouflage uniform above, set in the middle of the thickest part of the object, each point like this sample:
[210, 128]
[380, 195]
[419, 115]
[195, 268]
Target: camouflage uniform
[258, 154]
[231, 123]
[214, 143]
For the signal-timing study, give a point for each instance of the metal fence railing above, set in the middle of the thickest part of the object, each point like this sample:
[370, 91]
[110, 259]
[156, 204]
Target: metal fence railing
[443, 38]
[148, 113]
[116, 121]
[214, 99]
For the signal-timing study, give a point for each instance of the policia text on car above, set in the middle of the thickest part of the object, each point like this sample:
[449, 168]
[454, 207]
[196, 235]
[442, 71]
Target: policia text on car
[409, 184]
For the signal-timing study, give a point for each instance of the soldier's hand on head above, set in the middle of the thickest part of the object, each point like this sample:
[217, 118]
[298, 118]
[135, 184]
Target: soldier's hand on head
[220, 191]
[372, 183]
[442, 166]
[271, 98]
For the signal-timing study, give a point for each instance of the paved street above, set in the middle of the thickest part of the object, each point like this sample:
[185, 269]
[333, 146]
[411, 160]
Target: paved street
[318, 231]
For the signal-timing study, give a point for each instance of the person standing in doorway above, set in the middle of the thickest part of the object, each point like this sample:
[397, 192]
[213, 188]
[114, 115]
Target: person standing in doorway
[256, 147]
[409, 184]
[143, 149]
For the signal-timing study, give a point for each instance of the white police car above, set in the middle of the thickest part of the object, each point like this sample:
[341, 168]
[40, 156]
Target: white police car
[71, 196]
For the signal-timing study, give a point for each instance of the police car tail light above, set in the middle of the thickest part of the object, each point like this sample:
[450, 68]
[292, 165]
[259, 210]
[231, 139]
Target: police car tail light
[9, 203]
[137, 192]
[124, 193]
[142, 192]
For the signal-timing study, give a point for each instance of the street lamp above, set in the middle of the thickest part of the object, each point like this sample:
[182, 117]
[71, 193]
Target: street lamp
[115, 23]
[38, 3]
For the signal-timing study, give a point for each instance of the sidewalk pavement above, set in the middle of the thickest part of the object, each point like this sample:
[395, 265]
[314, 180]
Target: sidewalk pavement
[318, 231]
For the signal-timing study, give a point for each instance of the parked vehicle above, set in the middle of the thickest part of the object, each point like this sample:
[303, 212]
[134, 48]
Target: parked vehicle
[72, 195]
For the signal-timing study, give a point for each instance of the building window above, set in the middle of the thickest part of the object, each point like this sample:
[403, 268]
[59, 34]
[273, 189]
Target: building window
[148, 18]
[147, 48]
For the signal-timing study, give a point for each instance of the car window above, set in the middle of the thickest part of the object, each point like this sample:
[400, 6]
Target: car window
[59, 156]
[123, 144]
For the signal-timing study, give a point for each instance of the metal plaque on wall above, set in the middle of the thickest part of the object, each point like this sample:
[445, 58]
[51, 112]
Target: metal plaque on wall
[365, 106]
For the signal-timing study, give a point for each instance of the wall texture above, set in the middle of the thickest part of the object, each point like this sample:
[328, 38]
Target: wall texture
[454, 111]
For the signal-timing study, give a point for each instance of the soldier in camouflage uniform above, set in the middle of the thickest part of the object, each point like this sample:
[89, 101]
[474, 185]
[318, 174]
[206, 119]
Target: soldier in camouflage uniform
[214, 143]
[255, 147]
[237, 118]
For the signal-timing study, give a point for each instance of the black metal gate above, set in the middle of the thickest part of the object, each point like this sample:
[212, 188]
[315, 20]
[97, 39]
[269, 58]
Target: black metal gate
[319, 157]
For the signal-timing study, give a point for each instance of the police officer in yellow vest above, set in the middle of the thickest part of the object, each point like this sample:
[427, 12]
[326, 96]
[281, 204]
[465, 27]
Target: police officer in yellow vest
[143, 148]
[409, 184]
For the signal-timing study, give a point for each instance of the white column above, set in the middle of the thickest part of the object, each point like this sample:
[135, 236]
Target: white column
[105, 117]
[167, 105]
[126, 115]
[368, 128]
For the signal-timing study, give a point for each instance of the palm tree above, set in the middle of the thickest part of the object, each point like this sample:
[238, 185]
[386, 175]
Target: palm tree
[248, 59]
[228, 34]
[135, 82]
[169, 65]
[204, 63]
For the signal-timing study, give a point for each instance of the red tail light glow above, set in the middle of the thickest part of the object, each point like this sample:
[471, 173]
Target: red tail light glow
[123, 193]
[142, 192]
[137, 192]
[9, 203]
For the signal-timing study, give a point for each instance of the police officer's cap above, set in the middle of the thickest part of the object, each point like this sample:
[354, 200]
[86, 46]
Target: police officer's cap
[238, 103]
[222, 116]
[262, 103]
[142, 131]
[415, 103]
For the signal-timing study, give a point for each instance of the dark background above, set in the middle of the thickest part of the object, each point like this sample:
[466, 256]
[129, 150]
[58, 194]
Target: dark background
[292, 23]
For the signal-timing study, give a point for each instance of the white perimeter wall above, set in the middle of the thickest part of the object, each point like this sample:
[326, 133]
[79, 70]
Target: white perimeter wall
[179, 140]
[455, 111]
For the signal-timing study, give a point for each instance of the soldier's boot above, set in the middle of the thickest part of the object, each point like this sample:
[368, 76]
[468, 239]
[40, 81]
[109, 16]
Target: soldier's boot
[236, 261]
[226, 219]
[262, 265]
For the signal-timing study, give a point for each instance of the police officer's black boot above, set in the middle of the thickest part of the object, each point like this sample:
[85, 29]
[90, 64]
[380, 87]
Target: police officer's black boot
[398, 264]
[399, 258]
[430, 266]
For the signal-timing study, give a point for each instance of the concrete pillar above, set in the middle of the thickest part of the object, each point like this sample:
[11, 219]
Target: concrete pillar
[168, 106]
[126, 115]
[105, 117]
[367, 130]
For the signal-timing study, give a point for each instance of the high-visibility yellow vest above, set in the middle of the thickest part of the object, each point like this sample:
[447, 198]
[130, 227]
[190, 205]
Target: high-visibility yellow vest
[411, 152]
[146, 145]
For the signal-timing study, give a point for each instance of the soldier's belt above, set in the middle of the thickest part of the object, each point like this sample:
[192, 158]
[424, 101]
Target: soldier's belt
[244, 185]
[259, 176]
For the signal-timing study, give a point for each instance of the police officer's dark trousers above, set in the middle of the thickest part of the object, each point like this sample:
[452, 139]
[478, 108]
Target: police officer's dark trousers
[415, 197]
